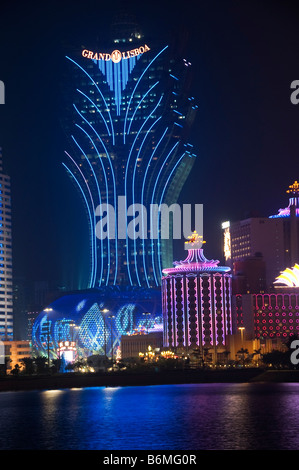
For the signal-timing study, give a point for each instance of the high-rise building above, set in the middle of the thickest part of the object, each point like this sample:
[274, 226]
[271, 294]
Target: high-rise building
[130, 110]
[273, 240]
[128, 114]
[6, 282]
[196, 303]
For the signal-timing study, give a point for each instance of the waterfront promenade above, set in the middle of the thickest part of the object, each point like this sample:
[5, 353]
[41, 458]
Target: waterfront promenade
[119, 379]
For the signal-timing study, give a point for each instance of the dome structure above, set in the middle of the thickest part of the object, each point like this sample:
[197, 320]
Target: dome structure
[96, 319]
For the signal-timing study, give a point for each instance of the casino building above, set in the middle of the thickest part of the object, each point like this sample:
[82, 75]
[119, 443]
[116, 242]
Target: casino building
[128, 116]
[196, 303]
[130, 112]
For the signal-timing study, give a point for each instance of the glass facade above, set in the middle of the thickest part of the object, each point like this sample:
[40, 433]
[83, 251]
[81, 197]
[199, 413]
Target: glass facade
[96, 319]
[129, 117]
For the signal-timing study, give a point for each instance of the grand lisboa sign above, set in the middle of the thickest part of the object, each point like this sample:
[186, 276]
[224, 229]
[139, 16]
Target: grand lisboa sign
[116, 56]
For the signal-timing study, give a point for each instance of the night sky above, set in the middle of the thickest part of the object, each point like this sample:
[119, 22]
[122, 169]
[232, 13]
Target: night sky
[245, 54]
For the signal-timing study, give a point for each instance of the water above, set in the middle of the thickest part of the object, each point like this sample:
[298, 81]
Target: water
[169, 417]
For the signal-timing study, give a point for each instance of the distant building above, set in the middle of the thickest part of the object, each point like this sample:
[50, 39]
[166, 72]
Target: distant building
[271, 317]
[6, 287]
[275, 239]
[15, 351]
[196, 303]
[249, 275]
[133, 345]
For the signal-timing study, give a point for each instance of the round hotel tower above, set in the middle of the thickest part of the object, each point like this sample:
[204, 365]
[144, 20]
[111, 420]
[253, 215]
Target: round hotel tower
[196, 302]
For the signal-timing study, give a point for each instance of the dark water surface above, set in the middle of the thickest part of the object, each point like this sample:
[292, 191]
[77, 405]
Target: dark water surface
[170, 417]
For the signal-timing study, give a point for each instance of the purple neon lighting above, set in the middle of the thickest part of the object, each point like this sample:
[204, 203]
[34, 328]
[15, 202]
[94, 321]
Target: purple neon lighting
[196, 262]
[286, 212]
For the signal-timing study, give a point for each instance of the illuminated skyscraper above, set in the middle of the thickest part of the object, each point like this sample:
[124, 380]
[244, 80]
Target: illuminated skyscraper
[6, 288]
[130, 113]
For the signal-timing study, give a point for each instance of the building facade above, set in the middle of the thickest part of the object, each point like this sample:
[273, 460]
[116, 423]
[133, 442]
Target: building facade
[129, 116]
[137, 345]
[6, 279]
[15, 352]
[196, 304]
[95, 320]
[273, 239]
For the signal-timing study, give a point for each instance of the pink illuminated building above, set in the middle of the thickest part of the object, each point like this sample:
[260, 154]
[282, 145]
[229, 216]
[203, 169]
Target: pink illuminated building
[196, 302]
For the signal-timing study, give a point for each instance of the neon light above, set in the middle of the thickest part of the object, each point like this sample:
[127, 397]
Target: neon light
[142, 195]
[114, 186]
[161, 199]
[106, 184]
[133, 188]
[144, 96]
[289, 277]
[126, 177]
[106, 105]
[115, 56]
[100, 199]
[152, 201]
[97, 109]
[94, 241]
[90, 219]
[138, 81]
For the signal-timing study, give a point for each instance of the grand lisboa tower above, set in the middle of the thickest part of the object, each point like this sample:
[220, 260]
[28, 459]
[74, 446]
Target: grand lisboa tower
[130, 113]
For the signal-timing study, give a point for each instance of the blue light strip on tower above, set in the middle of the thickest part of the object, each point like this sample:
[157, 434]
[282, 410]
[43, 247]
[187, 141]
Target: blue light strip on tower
[91, 224]
[97, 109]
[133, 187]
[114, 188]
[117, 75]
[100, 199]
[126, 177]
[142, 195]
[138, 81]
[161, 199]
[107, 201]
[93, 228]
[153, 195]
[144, 96]
[106, 105]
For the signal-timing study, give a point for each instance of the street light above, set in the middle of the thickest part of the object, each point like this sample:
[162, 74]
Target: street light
[111, 316]
[242, 328]
[48, 309]
[145, 314]
[74, 327]
[105, 310]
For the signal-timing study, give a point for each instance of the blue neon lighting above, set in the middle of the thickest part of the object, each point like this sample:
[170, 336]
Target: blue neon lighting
[92, 276]
[106, 105]
[138, 81]
[114, 187]
[100, 201]
[107, 198]
[142, 195]
[97, 109]
[153, 195]
[161, 200]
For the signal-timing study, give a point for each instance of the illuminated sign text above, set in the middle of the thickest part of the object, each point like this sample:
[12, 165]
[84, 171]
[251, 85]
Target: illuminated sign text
[116, 56]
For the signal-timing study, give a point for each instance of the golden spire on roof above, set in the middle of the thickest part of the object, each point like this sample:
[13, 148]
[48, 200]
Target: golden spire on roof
[294, 188]
[195, 239]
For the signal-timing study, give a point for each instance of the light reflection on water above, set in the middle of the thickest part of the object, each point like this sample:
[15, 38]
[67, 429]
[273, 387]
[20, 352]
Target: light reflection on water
[185, 417]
